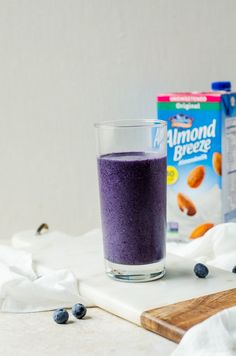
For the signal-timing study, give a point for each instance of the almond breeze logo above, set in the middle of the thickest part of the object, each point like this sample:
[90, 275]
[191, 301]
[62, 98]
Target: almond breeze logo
[181, 120]
[190, 141]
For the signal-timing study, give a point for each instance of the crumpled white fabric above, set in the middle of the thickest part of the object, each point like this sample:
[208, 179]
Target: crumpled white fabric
[215, 336]
[217, 247]
[27, 285]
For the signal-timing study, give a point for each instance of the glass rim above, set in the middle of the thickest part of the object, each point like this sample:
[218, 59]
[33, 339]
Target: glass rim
[136, 123]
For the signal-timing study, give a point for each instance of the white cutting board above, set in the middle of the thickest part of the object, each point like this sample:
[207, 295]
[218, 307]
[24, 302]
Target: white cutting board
[84, 257]
[129, 301]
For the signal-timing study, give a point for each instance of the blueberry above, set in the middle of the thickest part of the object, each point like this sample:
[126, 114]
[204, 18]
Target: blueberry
[61, 316]
[79, 311]
[234, 269]
[201, 270]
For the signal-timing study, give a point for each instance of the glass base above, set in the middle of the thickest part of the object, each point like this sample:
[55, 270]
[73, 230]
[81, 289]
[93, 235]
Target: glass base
[135, 273]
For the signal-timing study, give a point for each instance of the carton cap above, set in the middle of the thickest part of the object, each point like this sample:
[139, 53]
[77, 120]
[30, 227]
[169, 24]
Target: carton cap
[226, 85]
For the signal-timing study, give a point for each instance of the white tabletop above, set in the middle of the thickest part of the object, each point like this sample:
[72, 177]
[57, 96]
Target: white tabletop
[100, 333]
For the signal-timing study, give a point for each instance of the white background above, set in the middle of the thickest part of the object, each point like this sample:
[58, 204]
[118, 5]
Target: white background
[67, 64]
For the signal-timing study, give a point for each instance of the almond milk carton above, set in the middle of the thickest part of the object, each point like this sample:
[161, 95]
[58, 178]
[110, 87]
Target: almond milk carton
[201, 172]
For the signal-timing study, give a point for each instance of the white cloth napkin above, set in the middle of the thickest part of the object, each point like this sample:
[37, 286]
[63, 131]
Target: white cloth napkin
[217, 247]
[29, 285]
[215, 336]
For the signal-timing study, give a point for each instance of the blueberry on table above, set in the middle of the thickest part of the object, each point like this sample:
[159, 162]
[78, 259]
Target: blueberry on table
[234, 269]
[201, 270]
[79, 311]
[60, 316]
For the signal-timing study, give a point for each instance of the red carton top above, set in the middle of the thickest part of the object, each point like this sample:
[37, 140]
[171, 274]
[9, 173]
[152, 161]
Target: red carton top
[201, 97]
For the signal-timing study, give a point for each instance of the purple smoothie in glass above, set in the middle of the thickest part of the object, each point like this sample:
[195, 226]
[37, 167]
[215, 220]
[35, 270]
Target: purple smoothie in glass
[133, 207]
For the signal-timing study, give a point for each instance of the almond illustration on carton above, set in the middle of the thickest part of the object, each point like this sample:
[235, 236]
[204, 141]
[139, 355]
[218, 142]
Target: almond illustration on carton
[196, 176]
[200, 230]
[186, 205]
[217, 163]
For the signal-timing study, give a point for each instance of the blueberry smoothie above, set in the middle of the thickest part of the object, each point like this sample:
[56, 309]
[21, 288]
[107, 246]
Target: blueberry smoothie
[133, 207]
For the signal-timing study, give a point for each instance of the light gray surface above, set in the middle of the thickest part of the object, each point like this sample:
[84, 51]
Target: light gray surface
[99, 334]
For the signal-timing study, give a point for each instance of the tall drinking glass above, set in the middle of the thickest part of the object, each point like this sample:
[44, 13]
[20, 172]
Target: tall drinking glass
[132, 182]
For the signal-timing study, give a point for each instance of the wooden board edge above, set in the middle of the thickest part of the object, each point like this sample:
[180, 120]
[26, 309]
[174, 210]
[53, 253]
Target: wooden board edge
[161, 328]
[154, 320]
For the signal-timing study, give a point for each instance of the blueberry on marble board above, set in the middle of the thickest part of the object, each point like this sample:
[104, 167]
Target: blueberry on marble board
[79, 311]
[61, 316]
[201, 270]
[234, 269]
